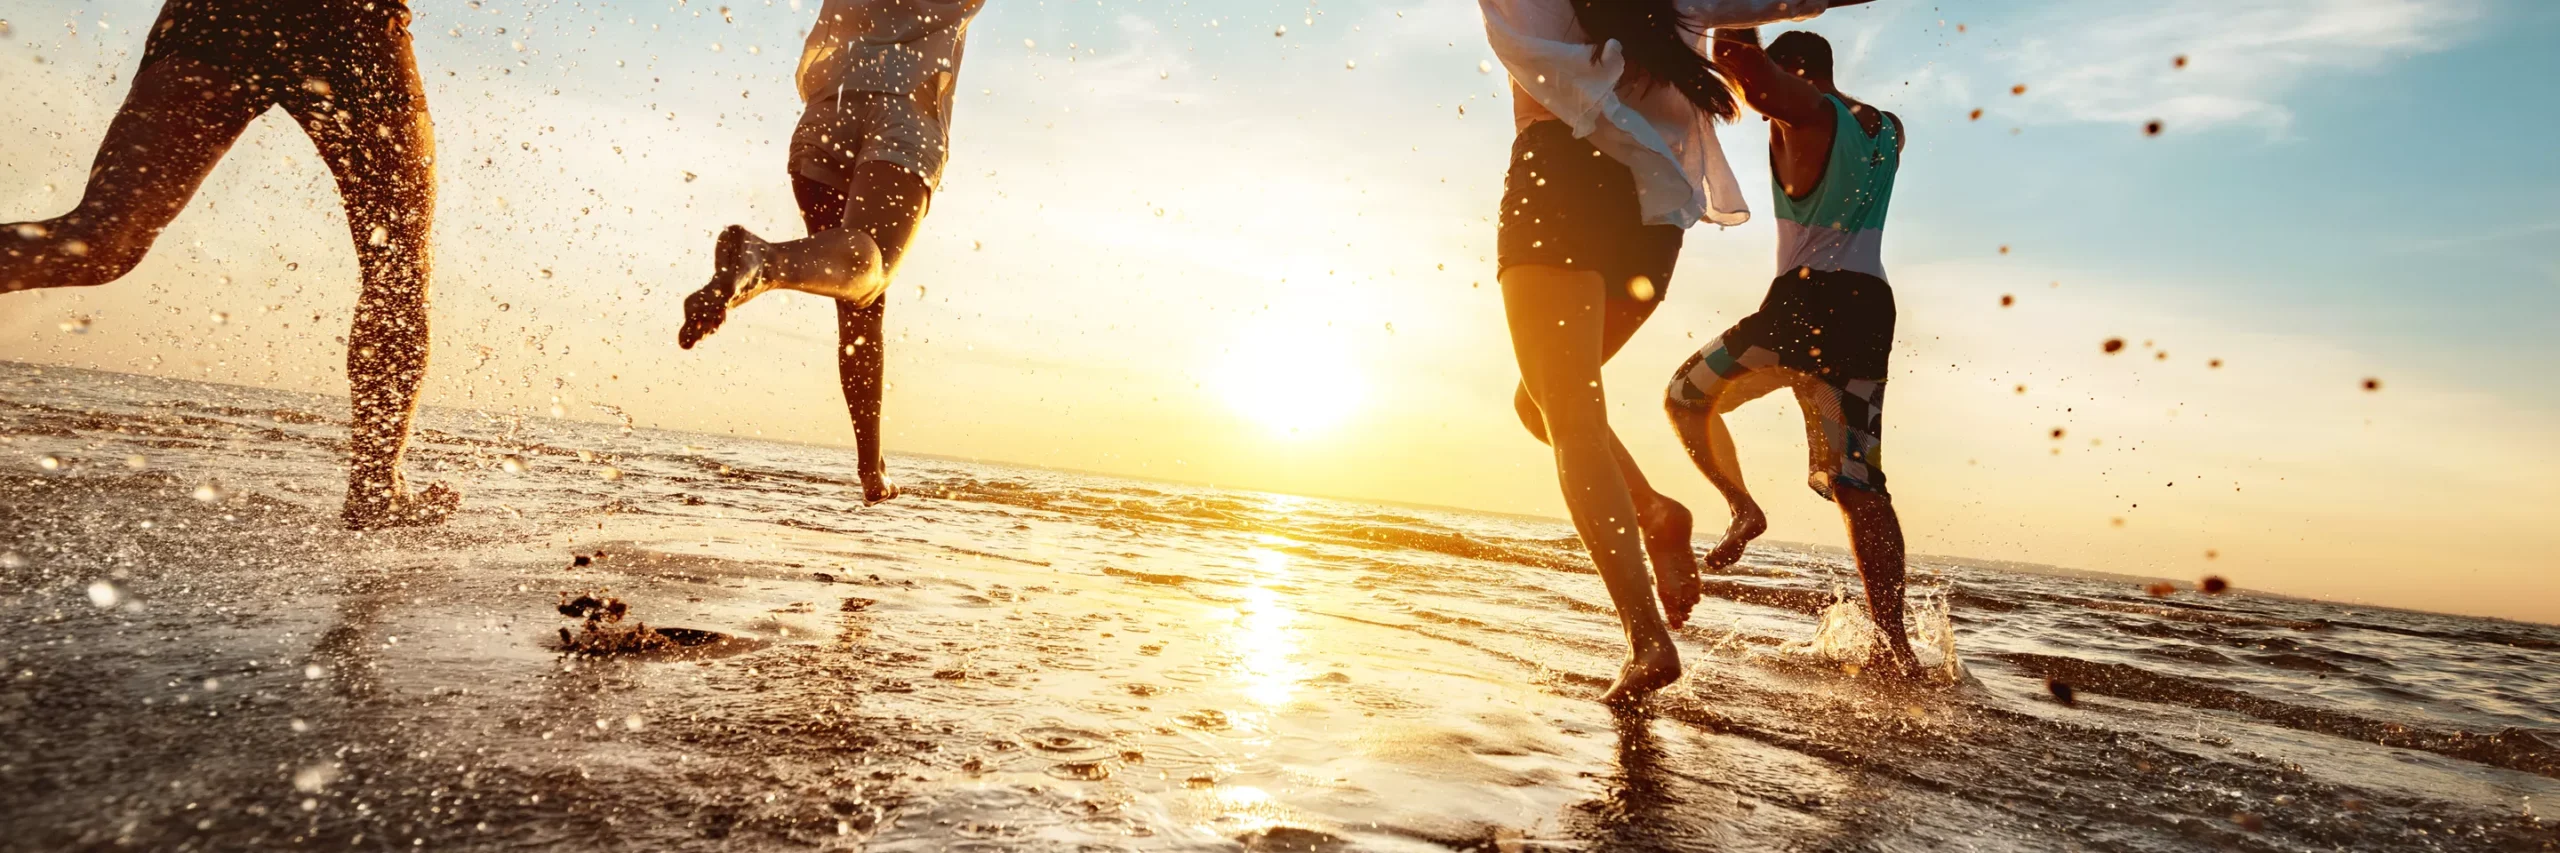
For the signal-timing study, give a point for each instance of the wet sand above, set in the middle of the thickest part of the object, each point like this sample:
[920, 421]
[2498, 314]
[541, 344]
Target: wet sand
[1014, 659]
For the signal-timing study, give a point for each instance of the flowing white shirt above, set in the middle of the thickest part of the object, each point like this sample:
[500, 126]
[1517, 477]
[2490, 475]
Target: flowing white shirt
[888, 46]
[1667, 142]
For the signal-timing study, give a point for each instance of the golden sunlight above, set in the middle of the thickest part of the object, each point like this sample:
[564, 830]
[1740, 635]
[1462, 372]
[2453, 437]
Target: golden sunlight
[1295, 379]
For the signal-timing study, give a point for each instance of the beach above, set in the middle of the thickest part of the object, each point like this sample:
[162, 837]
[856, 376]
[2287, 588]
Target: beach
[193, 655]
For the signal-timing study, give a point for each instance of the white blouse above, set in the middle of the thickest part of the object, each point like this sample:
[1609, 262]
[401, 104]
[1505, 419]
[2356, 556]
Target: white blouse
[890, 46]
[1666, 141]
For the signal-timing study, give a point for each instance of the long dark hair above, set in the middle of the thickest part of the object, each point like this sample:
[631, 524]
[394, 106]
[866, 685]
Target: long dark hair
[1657, 43]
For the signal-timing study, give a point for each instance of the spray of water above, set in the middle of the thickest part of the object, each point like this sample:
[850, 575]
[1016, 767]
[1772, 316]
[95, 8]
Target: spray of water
[1845, 635]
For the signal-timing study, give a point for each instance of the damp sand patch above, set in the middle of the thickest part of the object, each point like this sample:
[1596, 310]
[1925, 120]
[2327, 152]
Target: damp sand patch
[606, 633]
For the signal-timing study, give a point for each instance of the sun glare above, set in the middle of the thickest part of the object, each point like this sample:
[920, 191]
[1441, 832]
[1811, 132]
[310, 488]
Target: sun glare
[1296, 382]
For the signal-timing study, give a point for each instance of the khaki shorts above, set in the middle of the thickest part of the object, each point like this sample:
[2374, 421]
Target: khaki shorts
[841, 131]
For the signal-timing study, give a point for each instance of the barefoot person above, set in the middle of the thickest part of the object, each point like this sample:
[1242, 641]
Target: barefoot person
[1826, 327]
[344, 71]
[877, 77]
[1616, 155]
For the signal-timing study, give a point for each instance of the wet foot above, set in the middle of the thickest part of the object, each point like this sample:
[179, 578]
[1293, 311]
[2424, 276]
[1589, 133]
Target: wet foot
[1747, 525]
[1667, 528]
[1899, 664]
[426, 508]
[734, 264]
[1642, 674]
[878, 489]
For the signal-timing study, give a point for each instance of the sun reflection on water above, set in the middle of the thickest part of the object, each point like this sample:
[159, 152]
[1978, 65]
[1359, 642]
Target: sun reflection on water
[1266, 637]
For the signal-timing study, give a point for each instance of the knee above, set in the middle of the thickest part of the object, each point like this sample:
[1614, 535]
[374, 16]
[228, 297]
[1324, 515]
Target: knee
[1568, 419]
[1531, 418]
[81, 255]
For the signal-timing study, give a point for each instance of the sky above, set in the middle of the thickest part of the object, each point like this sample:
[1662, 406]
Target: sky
[1251, 245]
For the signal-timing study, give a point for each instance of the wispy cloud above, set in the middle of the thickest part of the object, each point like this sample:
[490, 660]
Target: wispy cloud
[2478, 238]
[2245, 56]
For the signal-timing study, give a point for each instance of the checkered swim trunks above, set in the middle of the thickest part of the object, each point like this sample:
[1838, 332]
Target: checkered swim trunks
[1826, 336]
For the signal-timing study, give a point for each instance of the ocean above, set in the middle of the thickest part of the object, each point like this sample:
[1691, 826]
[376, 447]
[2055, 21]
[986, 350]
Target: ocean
[194, 656]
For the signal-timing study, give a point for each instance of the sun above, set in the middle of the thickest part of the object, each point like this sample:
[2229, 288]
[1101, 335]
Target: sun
[1297, 380]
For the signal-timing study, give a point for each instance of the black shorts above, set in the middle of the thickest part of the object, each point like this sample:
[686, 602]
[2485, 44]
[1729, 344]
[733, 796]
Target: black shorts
[1565, 204]
[1828, 336]
[285, 46]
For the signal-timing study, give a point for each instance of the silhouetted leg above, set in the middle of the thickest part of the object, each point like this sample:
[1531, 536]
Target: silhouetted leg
[892, 206]
[1875, 536]
[1702, 430]
[847, 264]
[177, 121]
[1667, 524]
[1556, 332]
[368, 118]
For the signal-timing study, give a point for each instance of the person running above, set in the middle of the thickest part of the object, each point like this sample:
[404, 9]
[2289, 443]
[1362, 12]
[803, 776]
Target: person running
[877, 78]
[344, 71]
[1615, 155]
[1826, 327]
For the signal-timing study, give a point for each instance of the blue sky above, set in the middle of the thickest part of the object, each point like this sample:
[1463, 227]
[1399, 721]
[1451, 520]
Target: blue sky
[1169, 239]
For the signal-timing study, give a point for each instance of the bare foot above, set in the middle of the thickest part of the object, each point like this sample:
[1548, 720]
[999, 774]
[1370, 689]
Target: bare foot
[1748, 524]
[427, 508]
[878, 489]
[1642, 674]
[1667, 528]
[734, 264]
[1899, 667]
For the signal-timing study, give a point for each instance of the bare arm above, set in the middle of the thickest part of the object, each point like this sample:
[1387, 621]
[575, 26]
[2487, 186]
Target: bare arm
[1752, 13]
[1769, 89]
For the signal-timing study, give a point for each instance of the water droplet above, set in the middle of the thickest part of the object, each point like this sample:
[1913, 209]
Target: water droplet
[631, 723]
[104, 594]
[1028, 44]
[381, 236]
[311, 779]
[49, 462]
[218, 317]
[209, 492]
[1277, 32]
[136, 462]
[513, 463]
[313, 672]
[76, 325]
[504, 307]
[610, 474]
[300, 727]
[1641, 288]
[1484, 67]
[1348, 64]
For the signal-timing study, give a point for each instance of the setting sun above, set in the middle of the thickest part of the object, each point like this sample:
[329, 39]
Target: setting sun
[1295, 379]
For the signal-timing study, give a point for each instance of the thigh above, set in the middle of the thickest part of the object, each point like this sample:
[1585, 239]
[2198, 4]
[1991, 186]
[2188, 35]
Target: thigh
[1557, 319]
[1844, 432]
[178, 119]
[886, 201]
[1624, 317]
[1717, 380]
[821, 204]
[363, 106]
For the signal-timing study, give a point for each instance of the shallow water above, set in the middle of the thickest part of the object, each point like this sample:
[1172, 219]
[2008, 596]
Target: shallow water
[192, 656]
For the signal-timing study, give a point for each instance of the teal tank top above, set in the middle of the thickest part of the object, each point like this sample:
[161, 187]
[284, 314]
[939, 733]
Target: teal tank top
[1840, 225]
